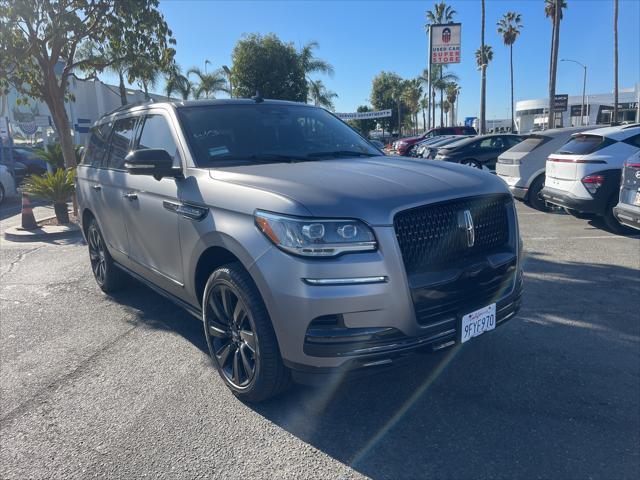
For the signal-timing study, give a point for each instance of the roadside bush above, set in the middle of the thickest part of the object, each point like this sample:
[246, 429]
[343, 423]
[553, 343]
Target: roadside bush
[57, 187]
[54, 157]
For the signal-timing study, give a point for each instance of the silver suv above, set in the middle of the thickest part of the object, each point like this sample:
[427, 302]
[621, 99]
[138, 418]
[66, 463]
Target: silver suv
[303, 249]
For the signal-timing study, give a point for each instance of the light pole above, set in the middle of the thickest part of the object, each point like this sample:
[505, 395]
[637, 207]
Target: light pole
[584, 86]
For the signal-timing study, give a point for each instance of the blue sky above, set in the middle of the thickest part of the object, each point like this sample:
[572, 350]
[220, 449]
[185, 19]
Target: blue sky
[361, 38]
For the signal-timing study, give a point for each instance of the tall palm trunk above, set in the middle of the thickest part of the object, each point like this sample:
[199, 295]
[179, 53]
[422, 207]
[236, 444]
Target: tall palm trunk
[511, 66]
[554, 63]
[433, 109]
[615, 62]
[483, 87]
[123, 90]
[424, 120]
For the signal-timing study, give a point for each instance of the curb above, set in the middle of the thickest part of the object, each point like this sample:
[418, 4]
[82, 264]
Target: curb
[47, 232]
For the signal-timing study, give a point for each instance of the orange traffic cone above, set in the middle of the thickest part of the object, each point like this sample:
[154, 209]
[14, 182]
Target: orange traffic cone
[28, 220]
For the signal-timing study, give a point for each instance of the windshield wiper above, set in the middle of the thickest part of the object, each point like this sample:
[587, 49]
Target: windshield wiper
[263, 157]
[341, 153]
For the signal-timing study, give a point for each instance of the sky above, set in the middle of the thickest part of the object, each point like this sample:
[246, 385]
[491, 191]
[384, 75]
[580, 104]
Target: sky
[360, 38]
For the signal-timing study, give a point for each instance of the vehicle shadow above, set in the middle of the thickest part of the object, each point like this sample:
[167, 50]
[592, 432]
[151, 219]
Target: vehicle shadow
[548, 395]
[155, 311]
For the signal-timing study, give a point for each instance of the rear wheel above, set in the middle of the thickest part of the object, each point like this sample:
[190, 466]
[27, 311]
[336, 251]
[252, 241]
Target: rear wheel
[108, 276]
[1, 194]
[610, 219]
[534, 198]
[472, 162]
[241, 340]
[580, 215]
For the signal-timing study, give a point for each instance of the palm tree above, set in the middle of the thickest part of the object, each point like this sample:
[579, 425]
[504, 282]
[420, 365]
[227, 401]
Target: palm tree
[320, 96]
[446, 107]
[483, 86]
[440, 84]
[615, 61]
[452, 91]
[551, 7]
[509, 27]
[311, 64]
[411, 93]
[177, 82]
[208, 83]
[441, 13]
[424, 105]
[488, 56]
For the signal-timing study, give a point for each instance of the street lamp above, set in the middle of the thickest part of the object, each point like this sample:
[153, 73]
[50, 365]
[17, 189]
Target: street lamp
[584, 86]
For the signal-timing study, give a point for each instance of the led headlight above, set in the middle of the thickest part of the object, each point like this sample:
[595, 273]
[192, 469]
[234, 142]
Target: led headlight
[314, 237]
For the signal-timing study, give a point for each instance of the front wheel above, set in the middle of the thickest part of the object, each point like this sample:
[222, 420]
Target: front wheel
[240, 337]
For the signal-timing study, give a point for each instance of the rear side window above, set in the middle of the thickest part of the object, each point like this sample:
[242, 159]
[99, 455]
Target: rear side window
[529, 144]
[156, 134]
[123, 131]
[97, 145]
[584, 144]
[635, 140]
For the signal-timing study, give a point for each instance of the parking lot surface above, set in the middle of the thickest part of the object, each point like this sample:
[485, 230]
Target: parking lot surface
[122, 386]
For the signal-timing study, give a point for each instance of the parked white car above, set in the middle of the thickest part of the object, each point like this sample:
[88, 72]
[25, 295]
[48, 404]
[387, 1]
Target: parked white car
[523, 167]
[7, 184]
[584, 174]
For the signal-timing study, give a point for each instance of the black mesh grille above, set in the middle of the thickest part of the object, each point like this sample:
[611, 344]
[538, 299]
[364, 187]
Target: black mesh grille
[432, 234]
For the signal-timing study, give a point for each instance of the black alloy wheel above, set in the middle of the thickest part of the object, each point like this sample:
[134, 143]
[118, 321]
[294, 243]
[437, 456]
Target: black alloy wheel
[108, 276]
[241, 339]
[233, 336]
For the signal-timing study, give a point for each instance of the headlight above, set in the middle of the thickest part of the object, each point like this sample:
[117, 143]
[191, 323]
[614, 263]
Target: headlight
[311, 237]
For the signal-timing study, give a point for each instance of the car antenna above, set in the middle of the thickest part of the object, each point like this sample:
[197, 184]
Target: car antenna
[257, 98]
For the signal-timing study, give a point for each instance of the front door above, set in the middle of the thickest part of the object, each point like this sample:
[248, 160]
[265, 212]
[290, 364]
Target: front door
[152, 226]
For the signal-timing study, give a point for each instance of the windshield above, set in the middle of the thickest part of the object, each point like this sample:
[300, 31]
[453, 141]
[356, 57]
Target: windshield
[223, 135]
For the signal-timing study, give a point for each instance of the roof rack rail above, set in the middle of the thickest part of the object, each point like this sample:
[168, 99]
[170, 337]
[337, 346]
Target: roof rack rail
[129, 105]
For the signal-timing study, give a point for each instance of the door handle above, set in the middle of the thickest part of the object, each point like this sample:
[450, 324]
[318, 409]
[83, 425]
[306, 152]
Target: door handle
[97, 188]
[130, 196]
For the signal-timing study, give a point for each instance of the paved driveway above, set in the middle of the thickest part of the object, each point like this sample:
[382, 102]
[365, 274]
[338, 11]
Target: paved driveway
[122, 387]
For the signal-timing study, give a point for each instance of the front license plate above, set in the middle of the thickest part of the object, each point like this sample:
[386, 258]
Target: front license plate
[478, 322]
[637, 200]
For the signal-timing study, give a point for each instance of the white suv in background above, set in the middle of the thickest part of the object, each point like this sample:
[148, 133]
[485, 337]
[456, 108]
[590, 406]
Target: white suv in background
[522, 167]
[584, 174]
[7, 184]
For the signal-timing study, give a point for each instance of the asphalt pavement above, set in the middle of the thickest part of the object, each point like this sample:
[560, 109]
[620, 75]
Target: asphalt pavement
[94, 386]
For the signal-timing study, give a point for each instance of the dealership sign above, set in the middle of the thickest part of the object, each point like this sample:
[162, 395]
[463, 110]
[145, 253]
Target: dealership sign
[364, 115]
[445, 43]
[560, 103]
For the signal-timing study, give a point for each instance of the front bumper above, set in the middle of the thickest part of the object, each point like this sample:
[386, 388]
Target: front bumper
[627, 215]
[368, 324]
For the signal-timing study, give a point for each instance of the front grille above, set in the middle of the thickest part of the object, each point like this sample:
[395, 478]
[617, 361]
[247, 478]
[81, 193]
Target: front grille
[431, 235]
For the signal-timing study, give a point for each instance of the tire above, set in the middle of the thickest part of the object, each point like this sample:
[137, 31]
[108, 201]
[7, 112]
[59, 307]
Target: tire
[2, 194]
[580, 215]
[534, 199]
[611, 221]
[241, 340]
[471, 162]
[107, 275]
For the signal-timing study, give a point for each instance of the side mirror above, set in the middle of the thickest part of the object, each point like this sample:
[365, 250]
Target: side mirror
[151, 161]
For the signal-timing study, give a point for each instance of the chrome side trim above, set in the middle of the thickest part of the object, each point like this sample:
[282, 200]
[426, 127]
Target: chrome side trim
[345, 281]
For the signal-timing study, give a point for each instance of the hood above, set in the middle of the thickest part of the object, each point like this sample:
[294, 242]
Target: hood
[409, 139]
[371, 189]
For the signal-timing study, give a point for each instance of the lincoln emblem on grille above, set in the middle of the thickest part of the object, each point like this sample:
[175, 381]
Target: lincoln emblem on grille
[465, 221]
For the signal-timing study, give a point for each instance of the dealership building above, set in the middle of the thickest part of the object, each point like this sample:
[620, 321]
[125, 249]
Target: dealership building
[31, 120]
[532, 115]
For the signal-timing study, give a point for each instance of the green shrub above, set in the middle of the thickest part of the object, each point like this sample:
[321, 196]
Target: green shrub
[57, 187]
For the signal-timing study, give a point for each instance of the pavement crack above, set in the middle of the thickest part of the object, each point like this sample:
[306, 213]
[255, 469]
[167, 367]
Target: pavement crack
[49, 387]
[20, 258]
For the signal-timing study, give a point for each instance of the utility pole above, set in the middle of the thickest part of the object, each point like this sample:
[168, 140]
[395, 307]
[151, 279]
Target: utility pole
[584, 88]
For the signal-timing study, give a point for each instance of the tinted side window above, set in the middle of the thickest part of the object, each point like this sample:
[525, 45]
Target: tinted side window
[635, 141]
[123, 131]
[156, 133]
[97, 145]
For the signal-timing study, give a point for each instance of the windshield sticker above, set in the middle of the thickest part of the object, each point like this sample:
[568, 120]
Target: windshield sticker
[217, 151]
